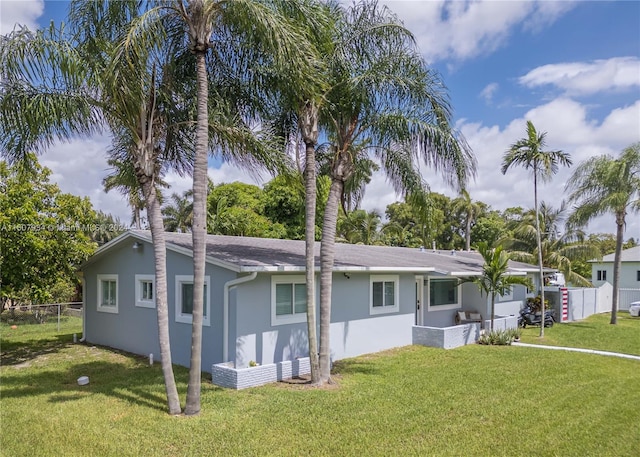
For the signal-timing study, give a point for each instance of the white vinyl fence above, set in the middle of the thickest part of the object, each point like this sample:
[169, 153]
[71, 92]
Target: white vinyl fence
[585, 302]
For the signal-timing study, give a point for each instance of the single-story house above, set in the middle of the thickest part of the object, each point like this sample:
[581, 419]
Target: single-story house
[602, 270]
[255, 297]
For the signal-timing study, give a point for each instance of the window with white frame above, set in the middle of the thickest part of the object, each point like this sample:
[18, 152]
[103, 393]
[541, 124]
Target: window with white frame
[145, 291]
[184, 300]
[602, 275]
[107, 293]
[444, 293]
[508, 295]
[288, 299]
[384, 294]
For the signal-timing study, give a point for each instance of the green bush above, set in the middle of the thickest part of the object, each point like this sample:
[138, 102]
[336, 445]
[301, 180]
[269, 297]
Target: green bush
[500, 337]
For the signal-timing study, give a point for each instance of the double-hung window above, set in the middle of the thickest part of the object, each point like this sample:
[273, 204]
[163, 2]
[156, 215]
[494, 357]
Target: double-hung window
[184, 300]
[145, 291]
[384, 294]
[444, 293]
[288, 299]
[602, 275]
[107, 293]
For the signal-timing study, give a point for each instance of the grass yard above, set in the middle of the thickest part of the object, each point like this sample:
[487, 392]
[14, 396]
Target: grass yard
[476, 401]
[594, 332]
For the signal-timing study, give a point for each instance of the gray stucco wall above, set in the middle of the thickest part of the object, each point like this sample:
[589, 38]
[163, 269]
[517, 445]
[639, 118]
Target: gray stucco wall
[353, 330]
[135, 329]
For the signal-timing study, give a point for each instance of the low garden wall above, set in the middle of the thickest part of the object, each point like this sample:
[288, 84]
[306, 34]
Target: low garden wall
[458, 335]
[446, 337]
[226, 375]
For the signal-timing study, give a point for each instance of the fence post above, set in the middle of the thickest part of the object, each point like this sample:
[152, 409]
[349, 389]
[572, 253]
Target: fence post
[59, 317]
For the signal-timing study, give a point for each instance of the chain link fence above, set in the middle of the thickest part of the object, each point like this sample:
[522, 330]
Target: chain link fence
[51, 313]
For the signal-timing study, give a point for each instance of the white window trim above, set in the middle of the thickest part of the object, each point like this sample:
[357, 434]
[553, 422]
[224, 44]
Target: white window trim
[506, 297]
[106, 309]
[295, 318]
[442, 307]
[396, 292]
[188, 318]
[140, 302]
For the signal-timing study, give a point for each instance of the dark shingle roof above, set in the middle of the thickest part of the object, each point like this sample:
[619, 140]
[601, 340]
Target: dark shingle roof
[256, 254]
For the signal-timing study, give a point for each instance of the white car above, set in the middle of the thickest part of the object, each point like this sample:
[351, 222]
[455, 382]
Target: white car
[634, 309]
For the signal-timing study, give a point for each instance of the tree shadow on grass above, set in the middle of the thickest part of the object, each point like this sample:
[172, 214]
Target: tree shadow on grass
[133, 380]
[356, 366]
[19, 352]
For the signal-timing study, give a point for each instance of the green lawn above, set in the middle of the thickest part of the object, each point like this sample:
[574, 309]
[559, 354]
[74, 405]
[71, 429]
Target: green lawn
[594, 332]
[476, 400]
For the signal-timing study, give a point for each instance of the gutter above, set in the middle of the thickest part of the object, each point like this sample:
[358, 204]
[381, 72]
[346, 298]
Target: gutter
[225, 316]
[84, 310]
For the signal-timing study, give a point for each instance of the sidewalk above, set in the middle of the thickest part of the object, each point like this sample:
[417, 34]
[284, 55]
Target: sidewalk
[588, 351]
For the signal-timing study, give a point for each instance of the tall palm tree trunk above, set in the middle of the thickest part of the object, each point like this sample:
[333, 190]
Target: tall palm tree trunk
[539, 241]
[493, 309]
[327, 256]
[617, 258]
[309, 129]
[198, 231]
[154, 216]
[467, 234]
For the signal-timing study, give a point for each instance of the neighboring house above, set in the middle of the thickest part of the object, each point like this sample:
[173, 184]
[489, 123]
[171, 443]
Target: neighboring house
[255, 297]
[602, 270]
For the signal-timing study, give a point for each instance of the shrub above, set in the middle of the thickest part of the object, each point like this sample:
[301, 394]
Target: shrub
[499, 337]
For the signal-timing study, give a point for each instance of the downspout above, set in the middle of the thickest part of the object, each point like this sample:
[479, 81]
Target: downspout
[84, 312]
[225, 316]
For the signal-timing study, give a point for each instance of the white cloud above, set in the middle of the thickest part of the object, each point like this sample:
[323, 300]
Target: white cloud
[488, 92]
[617, 73]
[23, 12]
[568, 128]
[462, 30]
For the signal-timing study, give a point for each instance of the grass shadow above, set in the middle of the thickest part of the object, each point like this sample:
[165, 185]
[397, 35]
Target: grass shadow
[19, 352]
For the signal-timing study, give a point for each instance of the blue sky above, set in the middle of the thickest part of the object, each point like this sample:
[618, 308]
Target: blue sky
[573, 68]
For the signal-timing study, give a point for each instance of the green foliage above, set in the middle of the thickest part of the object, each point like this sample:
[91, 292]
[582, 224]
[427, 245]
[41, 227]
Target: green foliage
[45, 235]
[499, 337]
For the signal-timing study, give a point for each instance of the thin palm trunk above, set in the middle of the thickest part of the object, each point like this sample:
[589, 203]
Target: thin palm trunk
[198, 231]
[539, 241]
[309, 129]
[468, 234]
[493, 309]
[327, 256]
[617, 259]
[160, 257]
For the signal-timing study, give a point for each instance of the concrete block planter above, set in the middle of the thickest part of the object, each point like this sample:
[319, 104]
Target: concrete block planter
[446, 337]
[226, 375]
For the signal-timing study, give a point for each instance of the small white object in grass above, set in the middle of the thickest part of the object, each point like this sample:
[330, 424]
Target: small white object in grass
[83, 380]
[151, 359]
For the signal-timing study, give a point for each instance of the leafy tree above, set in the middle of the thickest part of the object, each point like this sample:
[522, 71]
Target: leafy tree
[529, 152]
[495, 280]
[359, 227]
[471, 210]
[489, 228]
[604, 184]
[105, 227]
[45, 235]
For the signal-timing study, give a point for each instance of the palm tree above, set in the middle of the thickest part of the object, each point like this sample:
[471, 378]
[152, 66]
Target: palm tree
[385, 102]
[495, 280]
[56, 86]
[239, 45]
[529, 152]
[178, 215]
[471, 210]
[559, 249]
[604, 184]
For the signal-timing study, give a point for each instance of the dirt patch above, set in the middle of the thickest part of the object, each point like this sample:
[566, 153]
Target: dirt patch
[304, 382]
